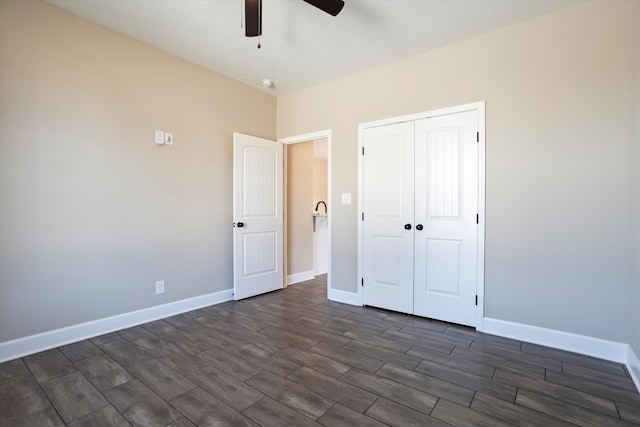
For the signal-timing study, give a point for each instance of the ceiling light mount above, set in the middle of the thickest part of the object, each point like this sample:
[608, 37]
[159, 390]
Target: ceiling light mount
[268, 83]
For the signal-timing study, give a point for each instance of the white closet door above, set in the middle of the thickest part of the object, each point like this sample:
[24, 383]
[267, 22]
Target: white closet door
[388, 207]
[446, 204]
[257, 212]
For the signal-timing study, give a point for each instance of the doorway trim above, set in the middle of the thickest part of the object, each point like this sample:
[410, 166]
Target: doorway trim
[304, 138]
[477, 106]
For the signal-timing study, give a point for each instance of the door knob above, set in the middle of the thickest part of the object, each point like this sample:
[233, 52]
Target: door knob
[407, 226]
[419, 227]
[241, 224]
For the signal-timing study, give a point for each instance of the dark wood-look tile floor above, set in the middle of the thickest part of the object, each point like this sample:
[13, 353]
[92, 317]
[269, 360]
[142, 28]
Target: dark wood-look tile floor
[293, 358]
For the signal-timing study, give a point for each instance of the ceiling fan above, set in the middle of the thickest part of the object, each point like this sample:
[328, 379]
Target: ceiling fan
[253, 13]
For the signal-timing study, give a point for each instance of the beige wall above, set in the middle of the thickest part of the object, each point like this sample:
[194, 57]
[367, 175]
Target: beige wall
[299, 207]
[92, 213]
[320, 183]
[558, 92]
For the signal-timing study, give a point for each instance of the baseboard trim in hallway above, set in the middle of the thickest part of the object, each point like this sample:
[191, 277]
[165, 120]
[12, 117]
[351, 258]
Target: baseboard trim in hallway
[300, 277]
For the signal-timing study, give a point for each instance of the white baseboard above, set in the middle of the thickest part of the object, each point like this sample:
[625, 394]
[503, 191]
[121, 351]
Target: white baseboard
[633, 365]
[337, 295]
[300, 277]
[20, 347]
[596, 347]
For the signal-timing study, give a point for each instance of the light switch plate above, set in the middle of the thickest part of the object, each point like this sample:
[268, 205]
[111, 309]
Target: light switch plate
[159, 137]
[346, 198]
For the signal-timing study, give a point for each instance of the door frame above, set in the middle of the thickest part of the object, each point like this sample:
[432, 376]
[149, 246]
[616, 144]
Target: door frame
[323, 134]
[475, 106]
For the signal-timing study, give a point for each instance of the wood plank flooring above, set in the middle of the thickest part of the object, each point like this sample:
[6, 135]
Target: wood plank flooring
[293, 358]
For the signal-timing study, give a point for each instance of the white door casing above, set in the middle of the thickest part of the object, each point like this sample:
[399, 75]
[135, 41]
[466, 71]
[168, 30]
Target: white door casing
[388, 206]
[323, 134]
[446, 205]
[257, 215]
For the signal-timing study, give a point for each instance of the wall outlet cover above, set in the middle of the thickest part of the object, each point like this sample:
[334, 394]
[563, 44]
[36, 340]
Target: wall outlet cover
[160, 287]
[346, 198]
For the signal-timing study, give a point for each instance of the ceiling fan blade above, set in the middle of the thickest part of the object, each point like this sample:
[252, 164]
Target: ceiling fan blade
[252, 18]
[332, 7]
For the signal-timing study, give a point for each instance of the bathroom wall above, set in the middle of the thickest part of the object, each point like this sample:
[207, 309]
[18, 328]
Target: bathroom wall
[306, 186]
[320, 192]
[300, 205]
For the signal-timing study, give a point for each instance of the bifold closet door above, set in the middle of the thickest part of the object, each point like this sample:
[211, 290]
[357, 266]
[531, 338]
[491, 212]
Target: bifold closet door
[446, 205]
[389, 211]
[420, 204]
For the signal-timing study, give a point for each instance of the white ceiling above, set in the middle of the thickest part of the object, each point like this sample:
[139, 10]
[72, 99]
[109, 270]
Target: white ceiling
[301, 45]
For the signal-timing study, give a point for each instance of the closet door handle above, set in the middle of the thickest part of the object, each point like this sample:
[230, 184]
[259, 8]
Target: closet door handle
[241, 224]
[407, 226]
[419, 227]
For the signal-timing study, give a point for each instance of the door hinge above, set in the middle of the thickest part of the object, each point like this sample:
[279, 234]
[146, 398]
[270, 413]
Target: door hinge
[363, 151]
[476, 299]
[477, 136]
[477, 218]
[363, 216]
[362, 282]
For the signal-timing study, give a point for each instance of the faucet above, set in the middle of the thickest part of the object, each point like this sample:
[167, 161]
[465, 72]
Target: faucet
[325, 206]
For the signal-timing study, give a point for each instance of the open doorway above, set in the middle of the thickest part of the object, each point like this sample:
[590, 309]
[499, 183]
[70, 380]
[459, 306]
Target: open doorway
[307, 207]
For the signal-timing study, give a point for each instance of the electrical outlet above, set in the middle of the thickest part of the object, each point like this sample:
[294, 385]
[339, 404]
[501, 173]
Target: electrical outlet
[160, 287]
[168, 138]
[346, 198]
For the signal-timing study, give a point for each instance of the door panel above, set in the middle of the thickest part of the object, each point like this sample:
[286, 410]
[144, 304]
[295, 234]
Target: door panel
[259, 186]
[386, 248]
[442, 173]
[388, 206]
[442, 264]
[257, 205]
[260, 253]
[446, 204]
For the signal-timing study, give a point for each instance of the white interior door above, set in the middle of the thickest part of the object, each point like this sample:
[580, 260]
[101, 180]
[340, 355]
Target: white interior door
[388, 208]
[446, 205]
[257, 214]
